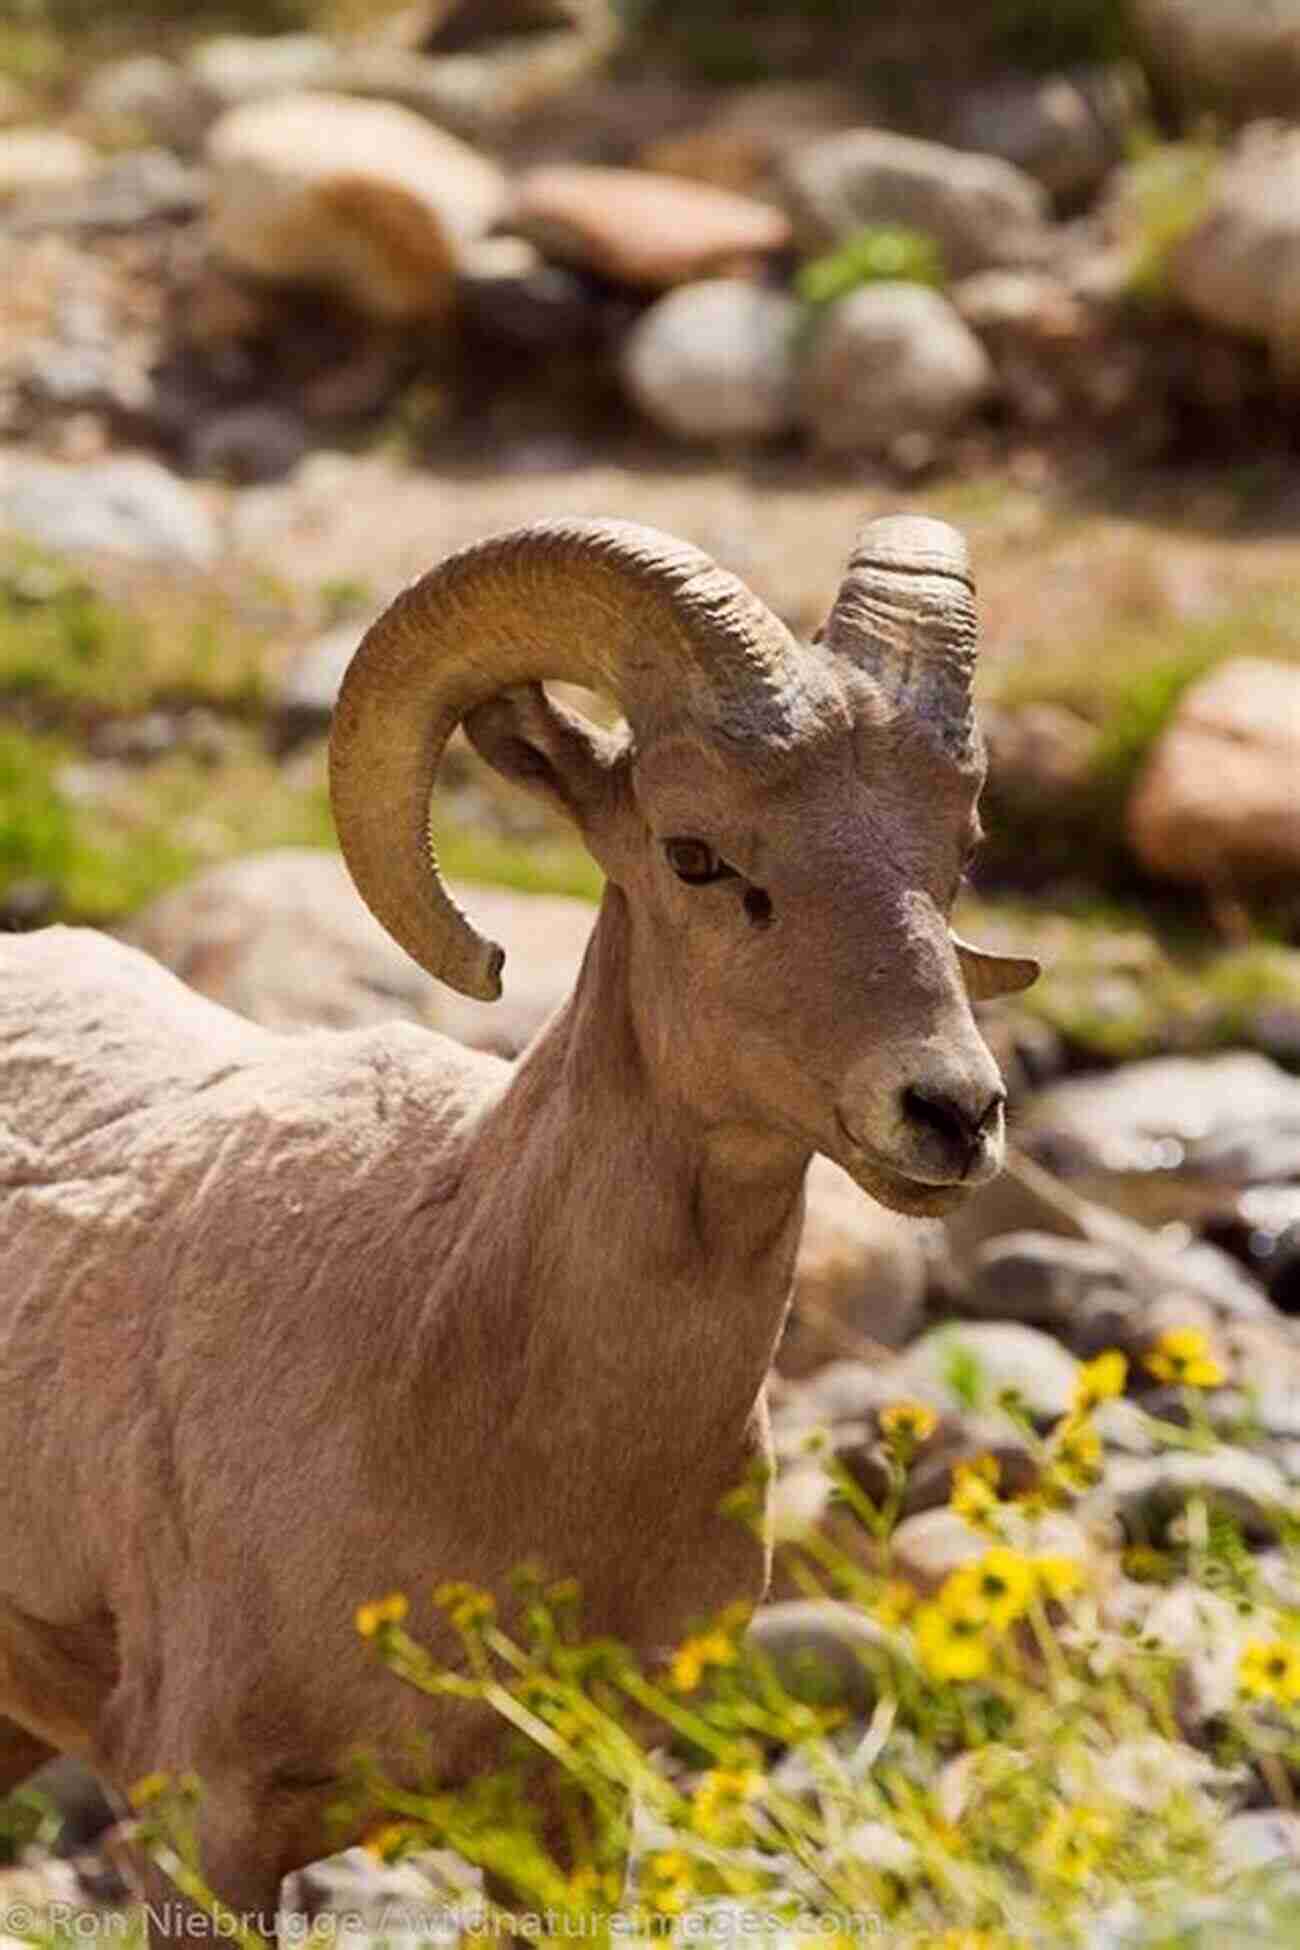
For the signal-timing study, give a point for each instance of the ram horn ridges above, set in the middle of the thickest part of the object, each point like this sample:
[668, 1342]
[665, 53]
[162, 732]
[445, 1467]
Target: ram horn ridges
[607, 604]
[906, 615]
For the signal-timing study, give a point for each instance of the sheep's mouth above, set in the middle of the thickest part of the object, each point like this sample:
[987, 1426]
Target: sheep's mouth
[883, 1181]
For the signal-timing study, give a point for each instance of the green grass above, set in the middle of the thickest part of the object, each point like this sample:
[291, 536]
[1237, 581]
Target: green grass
[71, 649]
[875, 253]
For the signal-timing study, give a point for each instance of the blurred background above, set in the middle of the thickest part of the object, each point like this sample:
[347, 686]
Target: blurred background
[297, 295]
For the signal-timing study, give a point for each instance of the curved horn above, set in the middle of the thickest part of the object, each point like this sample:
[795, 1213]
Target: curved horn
[607, 604]
[906, 615]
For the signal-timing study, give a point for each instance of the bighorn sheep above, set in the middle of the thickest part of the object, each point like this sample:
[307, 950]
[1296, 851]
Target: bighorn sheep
[285, 1322]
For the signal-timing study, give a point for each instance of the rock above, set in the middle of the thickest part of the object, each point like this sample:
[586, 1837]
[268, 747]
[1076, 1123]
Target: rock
[749, 129]
[284, 939]
[1065, 130]
[1237, 60]
[928, 1547]
[1027, 1198]
[824, 1652]
[232, 69]
[511, 295]
[1238, 266]
[1207, 1633]
[860, 1276]
[715, 361]
[305, 696]
[889, 362]
[1234, 1115]
[42, 162]
[146, 94]
[1146, 1493]
[1072, 1288]
[361, 198]
[979, 210]
[1148, 1771]
[126, 506]
[643, 229]
[248, 444]
[1039, 751]
[973, 1363]
[1258, 1839]
[1217, 803]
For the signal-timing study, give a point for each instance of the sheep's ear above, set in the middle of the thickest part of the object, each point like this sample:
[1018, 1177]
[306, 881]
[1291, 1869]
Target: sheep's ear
[538, 743]
[989, 976]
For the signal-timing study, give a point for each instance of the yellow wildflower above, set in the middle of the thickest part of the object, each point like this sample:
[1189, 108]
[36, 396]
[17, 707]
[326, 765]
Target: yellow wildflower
[386, 1843]
[718, 1804]
[372, 1617]
[591, 1887]
[1076, 1452]
[953, 1639]
[148, 1789]
[693, 1657]
[896, 1602]
[1073, 1842]
[1100, 1380]
[906, 1423]
[1001, 1583]
[467, 1606]
[1182, 1355]
[974, 1494]
[670, 1881]
[1269, 1669]
[1057, 1577]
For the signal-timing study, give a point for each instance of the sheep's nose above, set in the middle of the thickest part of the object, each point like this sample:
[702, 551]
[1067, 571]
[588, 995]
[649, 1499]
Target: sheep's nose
[961, 1121]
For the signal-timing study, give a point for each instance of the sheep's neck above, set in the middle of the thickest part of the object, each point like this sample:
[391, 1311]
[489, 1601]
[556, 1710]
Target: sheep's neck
[650, 1266]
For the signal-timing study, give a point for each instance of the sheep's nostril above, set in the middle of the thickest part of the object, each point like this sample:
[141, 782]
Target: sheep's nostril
[947, 1118]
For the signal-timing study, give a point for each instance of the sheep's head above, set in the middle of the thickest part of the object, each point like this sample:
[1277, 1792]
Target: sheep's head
[785, 825]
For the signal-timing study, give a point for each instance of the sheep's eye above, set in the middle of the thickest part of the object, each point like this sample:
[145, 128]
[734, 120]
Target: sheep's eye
[695, 862]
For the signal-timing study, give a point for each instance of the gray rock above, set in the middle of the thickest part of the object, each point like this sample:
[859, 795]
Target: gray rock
[308, 690]
[236, 68]
[1259, 1839]
[1074, 1289]
[714, 361]
[1065, 130]
[991, 1358]
[1146, 1493]
[127, 506]
[1239, 266]
[889, 362]
[1147, 1771]
[284, 938]
[1238, 60]
[823, 1652]
[248, 444]
[978, 209]
[146, 94]
[1171, 1113]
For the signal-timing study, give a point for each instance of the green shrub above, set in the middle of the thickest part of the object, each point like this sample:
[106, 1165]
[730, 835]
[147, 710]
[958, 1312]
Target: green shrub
[879, 252]
[36, 825]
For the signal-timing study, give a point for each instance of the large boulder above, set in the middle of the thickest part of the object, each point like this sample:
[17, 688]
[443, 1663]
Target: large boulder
[1219, 800]
[979, 209]
[361, 198]
[715, 361]
[1239, 58]
[285, 939]
[889, 361]
[1239, 265]
[641, 228]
